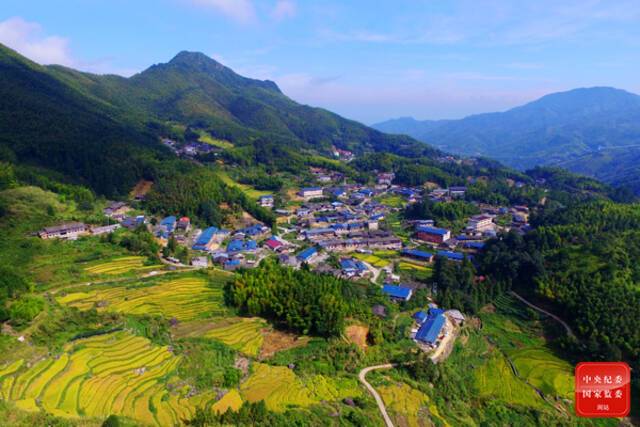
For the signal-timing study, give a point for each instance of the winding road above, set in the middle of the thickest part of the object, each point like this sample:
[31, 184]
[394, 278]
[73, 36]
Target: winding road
[543, 311]
[374, 393]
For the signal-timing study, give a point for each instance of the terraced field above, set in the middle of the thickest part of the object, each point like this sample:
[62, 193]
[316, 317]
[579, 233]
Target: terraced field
[244, 335]
[98, 376]
[496, 380]
[278, 386]
[546, 372]
[406, 403]
[120, 266]
[183, 298]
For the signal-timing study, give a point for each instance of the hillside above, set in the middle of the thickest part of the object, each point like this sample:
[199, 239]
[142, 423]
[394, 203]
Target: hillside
[586, 130]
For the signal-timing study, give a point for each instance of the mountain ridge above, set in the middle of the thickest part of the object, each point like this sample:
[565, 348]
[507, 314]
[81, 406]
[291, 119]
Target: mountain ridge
[555, 129]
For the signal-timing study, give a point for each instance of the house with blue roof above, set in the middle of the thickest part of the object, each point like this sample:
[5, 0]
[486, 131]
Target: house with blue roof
[166, 227]
[397, 292]
[238, 245]
[430, 330]
[307, 254]
[206, 239]
[473, 245]
[452, 256]
[420, 317]
[417, 254]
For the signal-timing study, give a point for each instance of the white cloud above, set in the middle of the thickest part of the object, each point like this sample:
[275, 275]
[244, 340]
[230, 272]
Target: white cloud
[284, 9]
[28, 39]
[241, 11]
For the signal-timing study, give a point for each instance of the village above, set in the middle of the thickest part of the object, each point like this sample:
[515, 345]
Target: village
[351, 231]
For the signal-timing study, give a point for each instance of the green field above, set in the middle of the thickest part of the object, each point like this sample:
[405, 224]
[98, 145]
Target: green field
[374, 260]
[208, 139]
[102, 375]
[246, 189]
[184, 298]
[407, 405]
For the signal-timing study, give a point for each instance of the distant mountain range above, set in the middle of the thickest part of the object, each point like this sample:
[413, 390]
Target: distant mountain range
[593, 131]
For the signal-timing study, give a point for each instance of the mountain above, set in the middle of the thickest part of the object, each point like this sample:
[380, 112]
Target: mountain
[586, 130]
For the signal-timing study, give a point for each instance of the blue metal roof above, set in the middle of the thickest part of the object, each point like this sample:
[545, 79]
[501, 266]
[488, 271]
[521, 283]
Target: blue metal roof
[420, 316]
[347, 264]
[307, 253]
[433, 311]
[360, 266]
[431, 230]
[430, 329]
[397, 291]
[417, 253]
[311, 189]
[473, 245]
[455, 256]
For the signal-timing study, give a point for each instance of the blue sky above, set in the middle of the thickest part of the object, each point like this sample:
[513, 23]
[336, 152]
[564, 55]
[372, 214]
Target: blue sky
[367, 60]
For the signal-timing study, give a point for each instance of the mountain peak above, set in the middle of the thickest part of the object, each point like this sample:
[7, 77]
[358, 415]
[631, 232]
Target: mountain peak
[199, 62]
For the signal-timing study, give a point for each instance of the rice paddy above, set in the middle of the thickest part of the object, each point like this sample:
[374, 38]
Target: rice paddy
[98, 376]
[372, 259]
[407, 404]
[278, 386]
[120, 266]
[546, 372]
[244, 335]
[184, 298]
[496, 380]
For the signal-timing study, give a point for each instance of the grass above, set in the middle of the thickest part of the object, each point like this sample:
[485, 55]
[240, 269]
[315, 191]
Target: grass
[184, 298]
[548, 373]
[246, 189]
[208, 139]
[98, 376]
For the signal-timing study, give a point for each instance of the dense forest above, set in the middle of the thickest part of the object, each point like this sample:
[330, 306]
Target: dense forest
[300, 300]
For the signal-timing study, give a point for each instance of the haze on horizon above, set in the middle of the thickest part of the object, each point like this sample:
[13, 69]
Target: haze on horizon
[425, 59]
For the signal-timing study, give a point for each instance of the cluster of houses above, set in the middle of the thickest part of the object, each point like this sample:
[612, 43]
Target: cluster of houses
[189, 149]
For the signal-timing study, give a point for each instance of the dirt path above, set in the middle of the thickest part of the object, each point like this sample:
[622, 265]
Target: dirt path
[446, 345]
[374, 393]
[543, 311]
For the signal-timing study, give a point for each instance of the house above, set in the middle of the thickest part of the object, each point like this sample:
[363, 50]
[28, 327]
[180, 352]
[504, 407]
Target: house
[432, 234]
[232, 264]
[200, 261]
[206, 240]
[420, 317]
[339, 193]
[68, 230]
[480, 223]
[309, 193]
[385, 178]
[430, 330]
[132, 222]
[266, 201]
[350, 245]
[398, 293]
[457, 191]
[166, 227]
[273, 244]
[183, 224]
[353, 267]
[254, 230]
[105, 229]
[289, 260]
[115, 209]
[379, 310]
[319, 233]
[417, 254]
[455, 315]
[237, 245]
[451, 256]
[308, 254]
[474, 245]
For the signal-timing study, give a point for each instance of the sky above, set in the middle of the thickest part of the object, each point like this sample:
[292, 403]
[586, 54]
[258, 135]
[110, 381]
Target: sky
[366, 60]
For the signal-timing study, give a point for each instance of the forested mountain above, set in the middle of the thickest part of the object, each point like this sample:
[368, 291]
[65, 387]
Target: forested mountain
[595, 131]
[104, 130]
